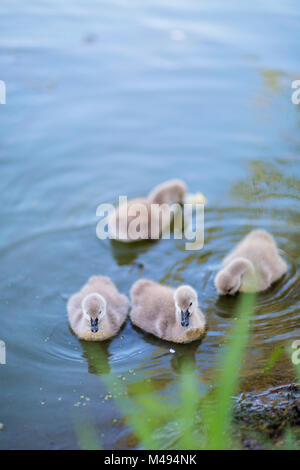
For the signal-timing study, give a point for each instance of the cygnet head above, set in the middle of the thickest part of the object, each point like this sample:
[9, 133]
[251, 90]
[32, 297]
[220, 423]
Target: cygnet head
[94, 307]
[228, 281]
[186, 301]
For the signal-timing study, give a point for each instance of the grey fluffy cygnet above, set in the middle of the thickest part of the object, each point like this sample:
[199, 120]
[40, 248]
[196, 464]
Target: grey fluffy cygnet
[98, 310]
[252, 266]
[146, 218]
[169, 314]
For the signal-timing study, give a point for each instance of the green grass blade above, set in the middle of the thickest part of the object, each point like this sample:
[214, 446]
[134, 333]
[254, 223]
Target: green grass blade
[188, 408]
[219, 412]
[274, 358]
[86, 435]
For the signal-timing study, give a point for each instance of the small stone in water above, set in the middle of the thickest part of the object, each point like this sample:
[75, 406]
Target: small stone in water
[1, 426]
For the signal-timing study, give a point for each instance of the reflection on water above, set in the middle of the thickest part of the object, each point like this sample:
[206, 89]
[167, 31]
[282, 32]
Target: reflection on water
[134, 97]
[90, 353]
[272, 79]
[127, 253]
[269, 180]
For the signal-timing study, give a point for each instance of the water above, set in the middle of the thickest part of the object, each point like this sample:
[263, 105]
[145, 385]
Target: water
[117, 96]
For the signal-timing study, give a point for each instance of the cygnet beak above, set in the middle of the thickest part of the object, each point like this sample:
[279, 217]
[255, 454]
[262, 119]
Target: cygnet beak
[94, 325]
[185, 318]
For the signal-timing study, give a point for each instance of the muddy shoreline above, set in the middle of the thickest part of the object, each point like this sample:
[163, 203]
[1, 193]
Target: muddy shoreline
[262, 419]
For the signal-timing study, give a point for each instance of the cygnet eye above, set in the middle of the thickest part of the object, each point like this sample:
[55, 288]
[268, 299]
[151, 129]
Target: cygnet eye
[191, 304]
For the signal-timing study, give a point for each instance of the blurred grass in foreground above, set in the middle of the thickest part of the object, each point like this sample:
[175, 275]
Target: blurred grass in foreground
[195, 420]
[218, 412]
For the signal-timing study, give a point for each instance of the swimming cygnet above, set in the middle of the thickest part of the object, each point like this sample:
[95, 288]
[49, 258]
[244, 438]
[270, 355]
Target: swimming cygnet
[132, 221]
[252, 266]
[98, 310]
[172, 315]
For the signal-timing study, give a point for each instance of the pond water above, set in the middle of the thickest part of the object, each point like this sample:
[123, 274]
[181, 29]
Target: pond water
[113, 97]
